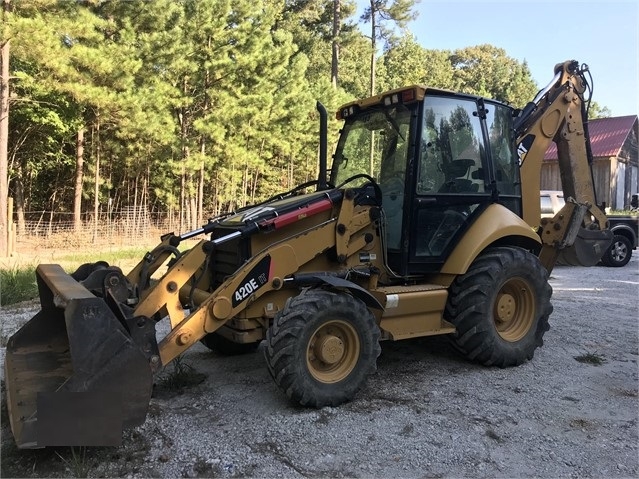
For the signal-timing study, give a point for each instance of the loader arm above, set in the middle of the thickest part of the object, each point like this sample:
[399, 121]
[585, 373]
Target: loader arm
[265, 271]
[558, 113]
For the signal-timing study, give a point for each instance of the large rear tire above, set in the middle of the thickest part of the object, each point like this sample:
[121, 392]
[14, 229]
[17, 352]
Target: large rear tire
[322, 347]
[500, 307]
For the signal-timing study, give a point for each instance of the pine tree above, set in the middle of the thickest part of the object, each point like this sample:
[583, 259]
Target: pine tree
[380, 14]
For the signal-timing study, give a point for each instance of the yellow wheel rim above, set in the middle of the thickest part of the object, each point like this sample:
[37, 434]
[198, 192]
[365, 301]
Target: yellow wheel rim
[332, 351]
[514, 309]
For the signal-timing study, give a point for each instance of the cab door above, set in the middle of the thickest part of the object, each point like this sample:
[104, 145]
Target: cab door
[453, 181]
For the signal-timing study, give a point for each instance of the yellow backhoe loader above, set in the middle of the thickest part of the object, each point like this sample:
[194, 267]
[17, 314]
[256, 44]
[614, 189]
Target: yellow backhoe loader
[427, 223]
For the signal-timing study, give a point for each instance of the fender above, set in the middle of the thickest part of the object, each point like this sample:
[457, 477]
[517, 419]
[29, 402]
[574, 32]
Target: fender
[495, 223]
[340, 283]
[625, 230]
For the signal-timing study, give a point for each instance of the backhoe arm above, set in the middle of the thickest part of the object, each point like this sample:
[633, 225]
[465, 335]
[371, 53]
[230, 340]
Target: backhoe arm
[578, 232]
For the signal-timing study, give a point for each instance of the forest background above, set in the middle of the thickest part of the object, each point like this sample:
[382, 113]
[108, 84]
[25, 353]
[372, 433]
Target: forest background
[189, 108]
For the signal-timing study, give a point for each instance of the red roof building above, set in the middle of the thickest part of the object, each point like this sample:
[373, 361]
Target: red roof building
[616, 161]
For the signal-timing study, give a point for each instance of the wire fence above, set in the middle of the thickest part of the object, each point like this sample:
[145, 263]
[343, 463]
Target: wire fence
[126, 227]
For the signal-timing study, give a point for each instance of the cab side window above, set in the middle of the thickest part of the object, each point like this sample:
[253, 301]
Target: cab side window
[450, 153]
[501, 135]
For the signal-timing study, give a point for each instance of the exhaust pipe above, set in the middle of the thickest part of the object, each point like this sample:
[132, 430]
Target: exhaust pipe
[322, 181]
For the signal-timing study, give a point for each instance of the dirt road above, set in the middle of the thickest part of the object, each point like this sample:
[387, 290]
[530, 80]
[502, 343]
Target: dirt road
[570, 412]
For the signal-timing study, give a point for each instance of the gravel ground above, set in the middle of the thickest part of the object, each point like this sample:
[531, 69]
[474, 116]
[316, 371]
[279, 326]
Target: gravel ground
[425, 413]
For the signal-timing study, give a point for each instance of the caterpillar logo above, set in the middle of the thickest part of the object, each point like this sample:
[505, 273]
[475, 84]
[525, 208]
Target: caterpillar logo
[523, 147]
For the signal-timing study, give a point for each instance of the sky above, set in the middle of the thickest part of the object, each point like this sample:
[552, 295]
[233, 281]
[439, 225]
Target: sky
[602, 34]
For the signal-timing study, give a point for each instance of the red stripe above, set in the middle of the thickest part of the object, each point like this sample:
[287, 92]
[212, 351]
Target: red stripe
[293, 216]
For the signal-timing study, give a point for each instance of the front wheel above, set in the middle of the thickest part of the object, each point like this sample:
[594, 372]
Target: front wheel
[322, 347]
[619, 252]
[500, 307]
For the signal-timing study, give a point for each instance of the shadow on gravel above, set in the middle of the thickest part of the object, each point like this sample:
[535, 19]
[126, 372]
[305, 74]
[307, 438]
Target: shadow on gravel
[426, 350]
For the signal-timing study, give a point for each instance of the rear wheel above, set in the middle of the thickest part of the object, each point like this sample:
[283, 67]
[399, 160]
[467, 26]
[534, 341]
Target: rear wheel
[322, 347]
[500, 307]
[619, 253]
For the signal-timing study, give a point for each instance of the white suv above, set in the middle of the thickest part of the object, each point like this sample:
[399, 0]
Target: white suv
[551, 202]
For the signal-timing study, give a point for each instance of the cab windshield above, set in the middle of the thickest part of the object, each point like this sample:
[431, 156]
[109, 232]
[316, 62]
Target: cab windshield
[374, 142]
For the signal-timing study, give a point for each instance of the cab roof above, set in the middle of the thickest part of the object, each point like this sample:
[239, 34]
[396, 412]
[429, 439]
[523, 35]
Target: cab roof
[407, 94]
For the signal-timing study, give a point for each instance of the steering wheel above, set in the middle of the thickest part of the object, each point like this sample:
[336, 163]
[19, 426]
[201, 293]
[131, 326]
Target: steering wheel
[371, 181]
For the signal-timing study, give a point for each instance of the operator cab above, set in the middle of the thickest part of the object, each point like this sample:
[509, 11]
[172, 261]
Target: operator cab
[439, 159]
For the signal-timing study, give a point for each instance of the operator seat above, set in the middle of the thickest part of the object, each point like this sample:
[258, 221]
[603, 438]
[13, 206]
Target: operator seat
[456, 180]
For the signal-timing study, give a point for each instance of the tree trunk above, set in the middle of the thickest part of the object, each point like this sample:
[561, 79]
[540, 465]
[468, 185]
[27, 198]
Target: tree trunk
[193, 210]
[4, 138]
[336, 31]
[200, 185]
[245, 184]
[205, 110]
[255, 180]
[372, 92]
[18, 188]
[96, 188]
[79, 176]
[144, 209]
[373, 46]
[134, 214]
[50, 227]
[182, 201]
[233, 203]
[291, 173]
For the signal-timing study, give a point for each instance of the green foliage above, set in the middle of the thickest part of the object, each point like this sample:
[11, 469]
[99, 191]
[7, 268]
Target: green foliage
[384, 15]
[487, 71]
[594, 358]
[596, 111]
[182, 375]
[71, 261]
[17, 284]
[200, 107]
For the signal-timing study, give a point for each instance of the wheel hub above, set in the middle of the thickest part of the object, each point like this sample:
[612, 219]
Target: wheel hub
[329, 349]
[333, 351]
[619, 251]
[506, 307]
[514, 309]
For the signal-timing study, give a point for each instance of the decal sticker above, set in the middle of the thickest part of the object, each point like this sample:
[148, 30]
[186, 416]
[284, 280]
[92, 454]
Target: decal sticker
[367, 257]
[392, 301]
[254, 280]
[523, 147]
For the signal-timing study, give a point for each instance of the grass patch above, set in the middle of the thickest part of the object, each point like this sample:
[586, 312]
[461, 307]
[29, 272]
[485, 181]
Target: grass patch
[183, 375]
[17, 284]
[73, 260]
[591, 358]
[622, 212]
[77, 463]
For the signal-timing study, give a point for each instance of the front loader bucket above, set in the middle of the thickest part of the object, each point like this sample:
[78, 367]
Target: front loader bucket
[588, 248]
[74, 375]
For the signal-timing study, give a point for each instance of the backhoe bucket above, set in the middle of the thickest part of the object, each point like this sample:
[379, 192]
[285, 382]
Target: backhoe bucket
[74, 374]
[588, 248]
